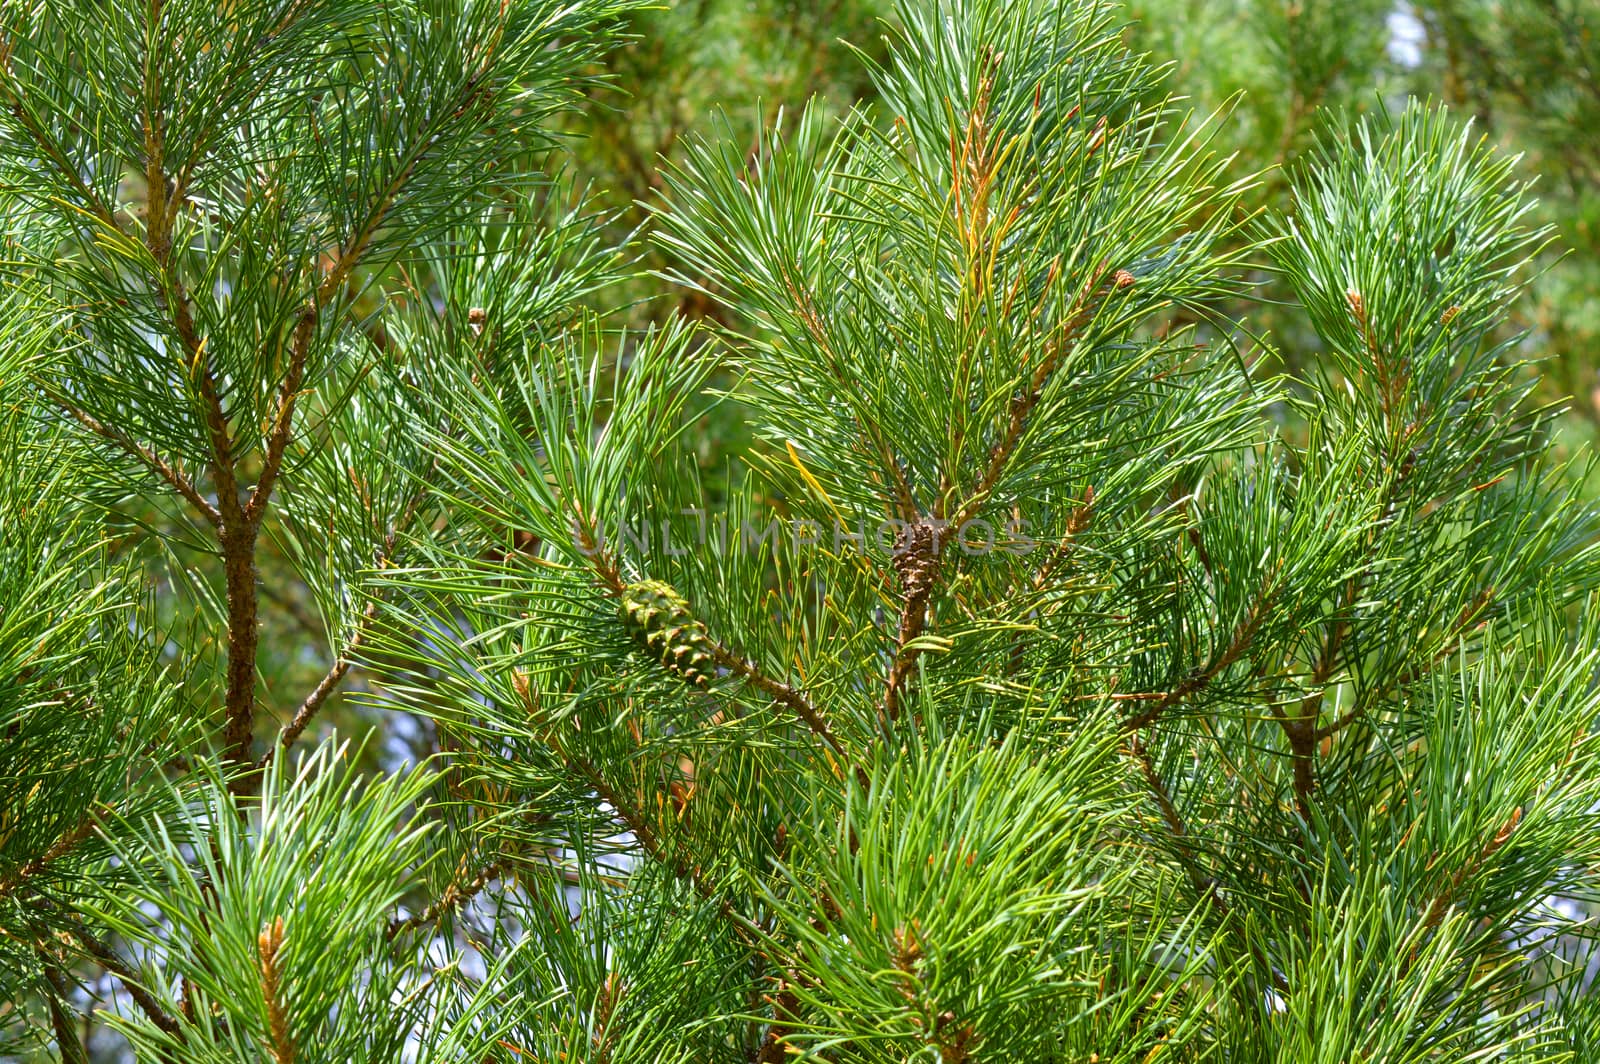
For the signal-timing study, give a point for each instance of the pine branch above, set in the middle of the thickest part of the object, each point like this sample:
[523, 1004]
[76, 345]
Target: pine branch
[181, 183]
[345, 261]
[592, 546]
[1202, 882]
[636, 822]
[51, 148]
[609, 577]
[816, 328]
[175, 478]
[919, 552]
[1472, 615]
[283, 420]
[1022, 405]
[242, 523]
[15, 879]
[610, 995]
[1238, 645]
[60, 990]
[325, 687]
[1182, 842]
[919, 555]
[1174, 820]
[237, 533]
[972, 173]
[650, 842]
[1440, 902]
[1077, 523]
[455, 894]
[784, 694]
[1301, 730]
[108, 959]
[312, 704]
[268, 944]
[239, 569]
[153, 117]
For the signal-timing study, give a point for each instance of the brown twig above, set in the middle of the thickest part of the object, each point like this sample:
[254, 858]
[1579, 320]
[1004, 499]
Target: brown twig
[1441, 901]
[1077, 521]
[1174, 821]
[780, 692]
[653, 846]
[283, 419]
[1181, 838]
[313, 702]
[1023, 403]
[1301, 730]
[785, 1007]
[1238, 645]
[636, 822]
[1340, 723]
[455, 894]
[17, 877]
[1301, 733]
[239, 572]
[236, 536]
[68, 1041]
[56, 154]
[174, 477]
[590, 544]
[107, 959]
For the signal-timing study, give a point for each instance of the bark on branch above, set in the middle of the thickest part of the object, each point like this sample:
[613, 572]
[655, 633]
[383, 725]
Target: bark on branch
[456, 894]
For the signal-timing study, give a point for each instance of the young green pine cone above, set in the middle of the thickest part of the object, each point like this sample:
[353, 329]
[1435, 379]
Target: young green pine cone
[659, 620]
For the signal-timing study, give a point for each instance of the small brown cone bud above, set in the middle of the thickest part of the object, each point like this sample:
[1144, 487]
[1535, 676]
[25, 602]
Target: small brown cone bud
[1358, 306]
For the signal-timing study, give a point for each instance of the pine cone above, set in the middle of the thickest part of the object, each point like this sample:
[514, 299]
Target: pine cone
[658, 619]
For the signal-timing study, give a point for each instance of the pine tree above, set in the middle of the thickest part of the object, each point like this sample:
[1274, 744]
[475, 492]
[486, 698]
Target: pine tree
[1050, 678]
[227, 226]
